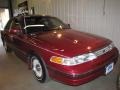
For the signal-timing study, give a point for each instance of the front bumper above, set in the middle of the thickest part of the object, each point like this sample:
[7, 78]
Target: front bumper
[98, 69]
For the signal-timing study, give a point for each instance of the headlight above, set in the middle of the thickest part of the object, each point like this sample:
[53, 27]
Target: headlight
[73, 61]
[81, 58]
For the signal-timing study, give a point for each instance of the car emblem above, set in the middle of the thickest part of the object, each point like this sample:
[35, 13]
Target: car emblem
[103, 51]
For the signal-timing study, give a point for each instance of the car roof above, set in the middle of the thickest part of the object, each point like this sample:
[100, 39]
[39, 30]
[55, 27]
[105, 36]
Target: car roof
[32, 16]
[21, 17]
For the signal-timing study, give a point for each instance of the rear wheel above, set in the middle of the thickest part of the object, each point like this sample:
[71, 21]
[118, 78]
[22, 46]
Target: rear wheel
[7, 49]
[118, 82]
[38, 69]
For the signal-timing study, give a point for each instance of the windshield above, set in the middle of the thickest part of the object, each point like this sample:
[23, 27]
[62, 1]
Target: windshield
[42, 23]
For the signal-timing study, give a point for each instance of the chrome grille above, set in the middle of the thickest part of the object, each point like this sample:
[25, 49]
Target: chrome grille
[104, 50]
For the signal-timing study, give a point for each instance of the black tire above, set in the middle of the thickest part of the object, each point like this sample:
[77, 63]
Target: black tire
[42, 78]
[7, 49]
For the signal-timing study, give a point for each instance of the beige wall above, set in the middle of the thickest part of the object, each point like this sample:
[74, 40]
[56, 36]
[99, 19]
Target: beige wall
[85, 15]
[4, 17]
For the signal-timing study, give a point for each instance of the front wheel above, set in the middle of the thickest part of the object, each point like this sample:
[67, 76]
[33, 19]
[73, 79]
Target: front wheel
[38, 69]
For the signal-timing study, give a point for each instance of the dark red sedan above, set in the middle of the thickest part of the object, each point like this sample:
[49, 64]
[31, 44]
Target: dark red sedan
[52, 49]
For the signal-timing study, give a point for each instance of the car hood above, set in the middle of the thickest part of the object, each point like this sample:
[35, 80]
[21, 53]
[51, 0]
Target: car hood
[70, 42]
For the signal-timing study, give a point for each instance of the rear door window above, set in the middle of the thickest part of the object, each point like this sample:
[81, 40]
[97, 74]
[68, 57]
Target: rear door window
[15, 25]
[7, 27]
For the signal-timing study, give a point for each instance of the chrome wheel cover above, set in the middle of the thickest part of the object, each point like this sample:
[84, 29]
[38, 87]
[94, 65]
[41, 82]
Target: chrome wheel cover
[37, 68]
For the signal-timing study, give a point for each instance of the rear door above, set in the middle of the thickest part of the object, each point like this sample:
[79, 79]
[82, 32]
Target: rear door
[14, 31]
[19, 39]
[6, 33]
